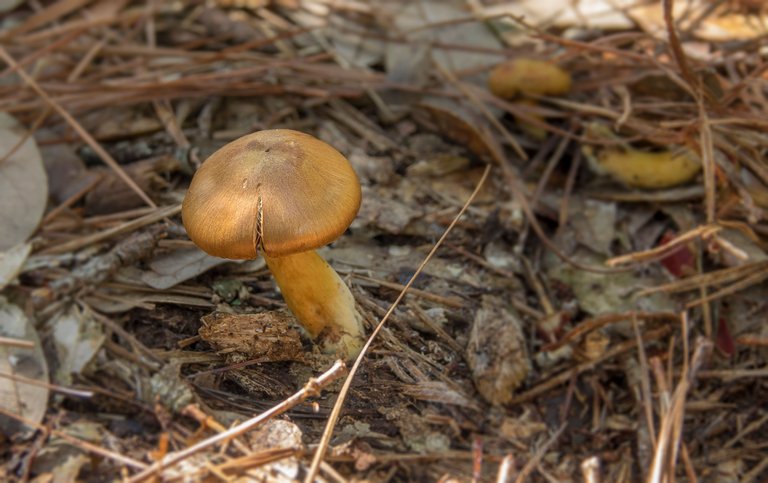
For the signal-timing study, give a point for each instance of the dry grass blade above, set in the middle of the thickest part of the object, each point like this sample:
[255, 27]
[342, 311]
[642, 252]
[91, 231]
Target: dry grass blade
[21, 344]
[103, 154]
[702, 232]
[531, 465]
[322, 446]
[127, 227]
[670, 432]
[710, 279]
[53, 387]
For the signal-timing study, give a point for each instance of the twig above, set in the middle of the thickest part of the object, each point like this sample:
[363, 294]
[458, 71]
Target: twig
[78, 443]
[506, 468]
[670, 432]
[701, 232]
[536, 458]
[675, 46]
[590, 470]
[18, 343]
[53, 387]
[312, 388]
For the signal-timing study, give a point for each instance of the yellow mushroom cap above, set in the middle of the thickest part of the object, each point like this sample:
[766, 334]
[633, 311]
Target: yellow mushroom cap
[280, 191]
[528, 76]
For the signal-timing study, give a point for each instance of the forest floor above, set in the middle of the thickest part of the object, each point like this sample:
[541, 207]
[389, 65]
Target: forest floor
[596, 308]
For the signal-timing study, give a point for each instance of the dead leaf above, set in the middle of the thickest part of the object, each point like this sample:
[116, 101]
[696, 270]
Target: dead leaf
[602, 293]
[438, 165]
[440, 392]
[606, 14]
[703, 19]
[112, 194]
[274, 434]
[67, 174]
[179, 265]
[382, 208]
[415, 431]
[429, 23]
[23, 184]
[593, 223]
[358, 50]
[60, 459]
[26, 400]
[11, 262]
[461, 125]
[78, 337]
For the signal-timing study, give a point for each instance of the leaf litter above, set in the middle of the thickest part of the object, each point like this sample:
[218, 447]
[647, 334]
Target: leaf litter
[586, 318]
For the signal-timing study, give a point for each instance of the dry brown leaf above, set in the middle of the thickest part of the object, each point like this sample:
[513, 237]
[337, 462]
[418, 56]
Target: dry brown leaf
[178, 265]
[77, 337]
[11, 262]
[23, 184]
[26, 400]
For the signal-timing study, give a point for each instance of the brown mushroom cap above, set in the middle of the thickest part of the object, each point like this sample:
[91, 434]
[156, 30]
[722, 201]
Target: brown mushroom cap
[279, 190]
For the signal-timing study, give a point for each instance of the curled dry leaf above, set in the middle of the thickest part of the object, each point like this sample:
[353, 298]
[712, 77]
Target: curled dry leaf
[26, 400]
[496, 352]
[23, 184]
[460, 125]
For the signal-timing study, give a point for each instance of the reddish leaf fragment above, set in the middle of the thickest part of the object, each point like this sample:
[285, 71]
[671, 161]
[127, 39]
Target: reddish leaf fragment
[724, 340]
[681, 261]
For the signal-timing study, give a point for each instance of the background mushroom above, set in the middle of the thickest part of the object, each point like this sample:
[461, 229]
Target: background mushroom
[283, 193]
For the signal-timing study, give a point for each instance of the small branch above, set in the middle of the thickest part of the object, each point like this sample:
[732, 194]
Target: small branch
[312, 388]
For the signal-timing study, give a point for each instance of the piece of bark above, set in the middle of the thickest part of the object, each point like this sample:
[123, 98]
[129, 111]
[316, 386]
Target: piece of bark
[496, 351]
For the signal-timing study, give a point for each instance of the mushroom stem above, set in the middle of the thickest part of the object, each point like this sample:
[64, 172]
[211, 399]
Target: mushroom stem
[320, 300]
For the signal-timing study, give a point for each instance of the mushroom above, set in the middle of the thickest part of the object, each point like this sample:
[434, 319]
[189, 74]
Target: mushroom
[283, 193]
